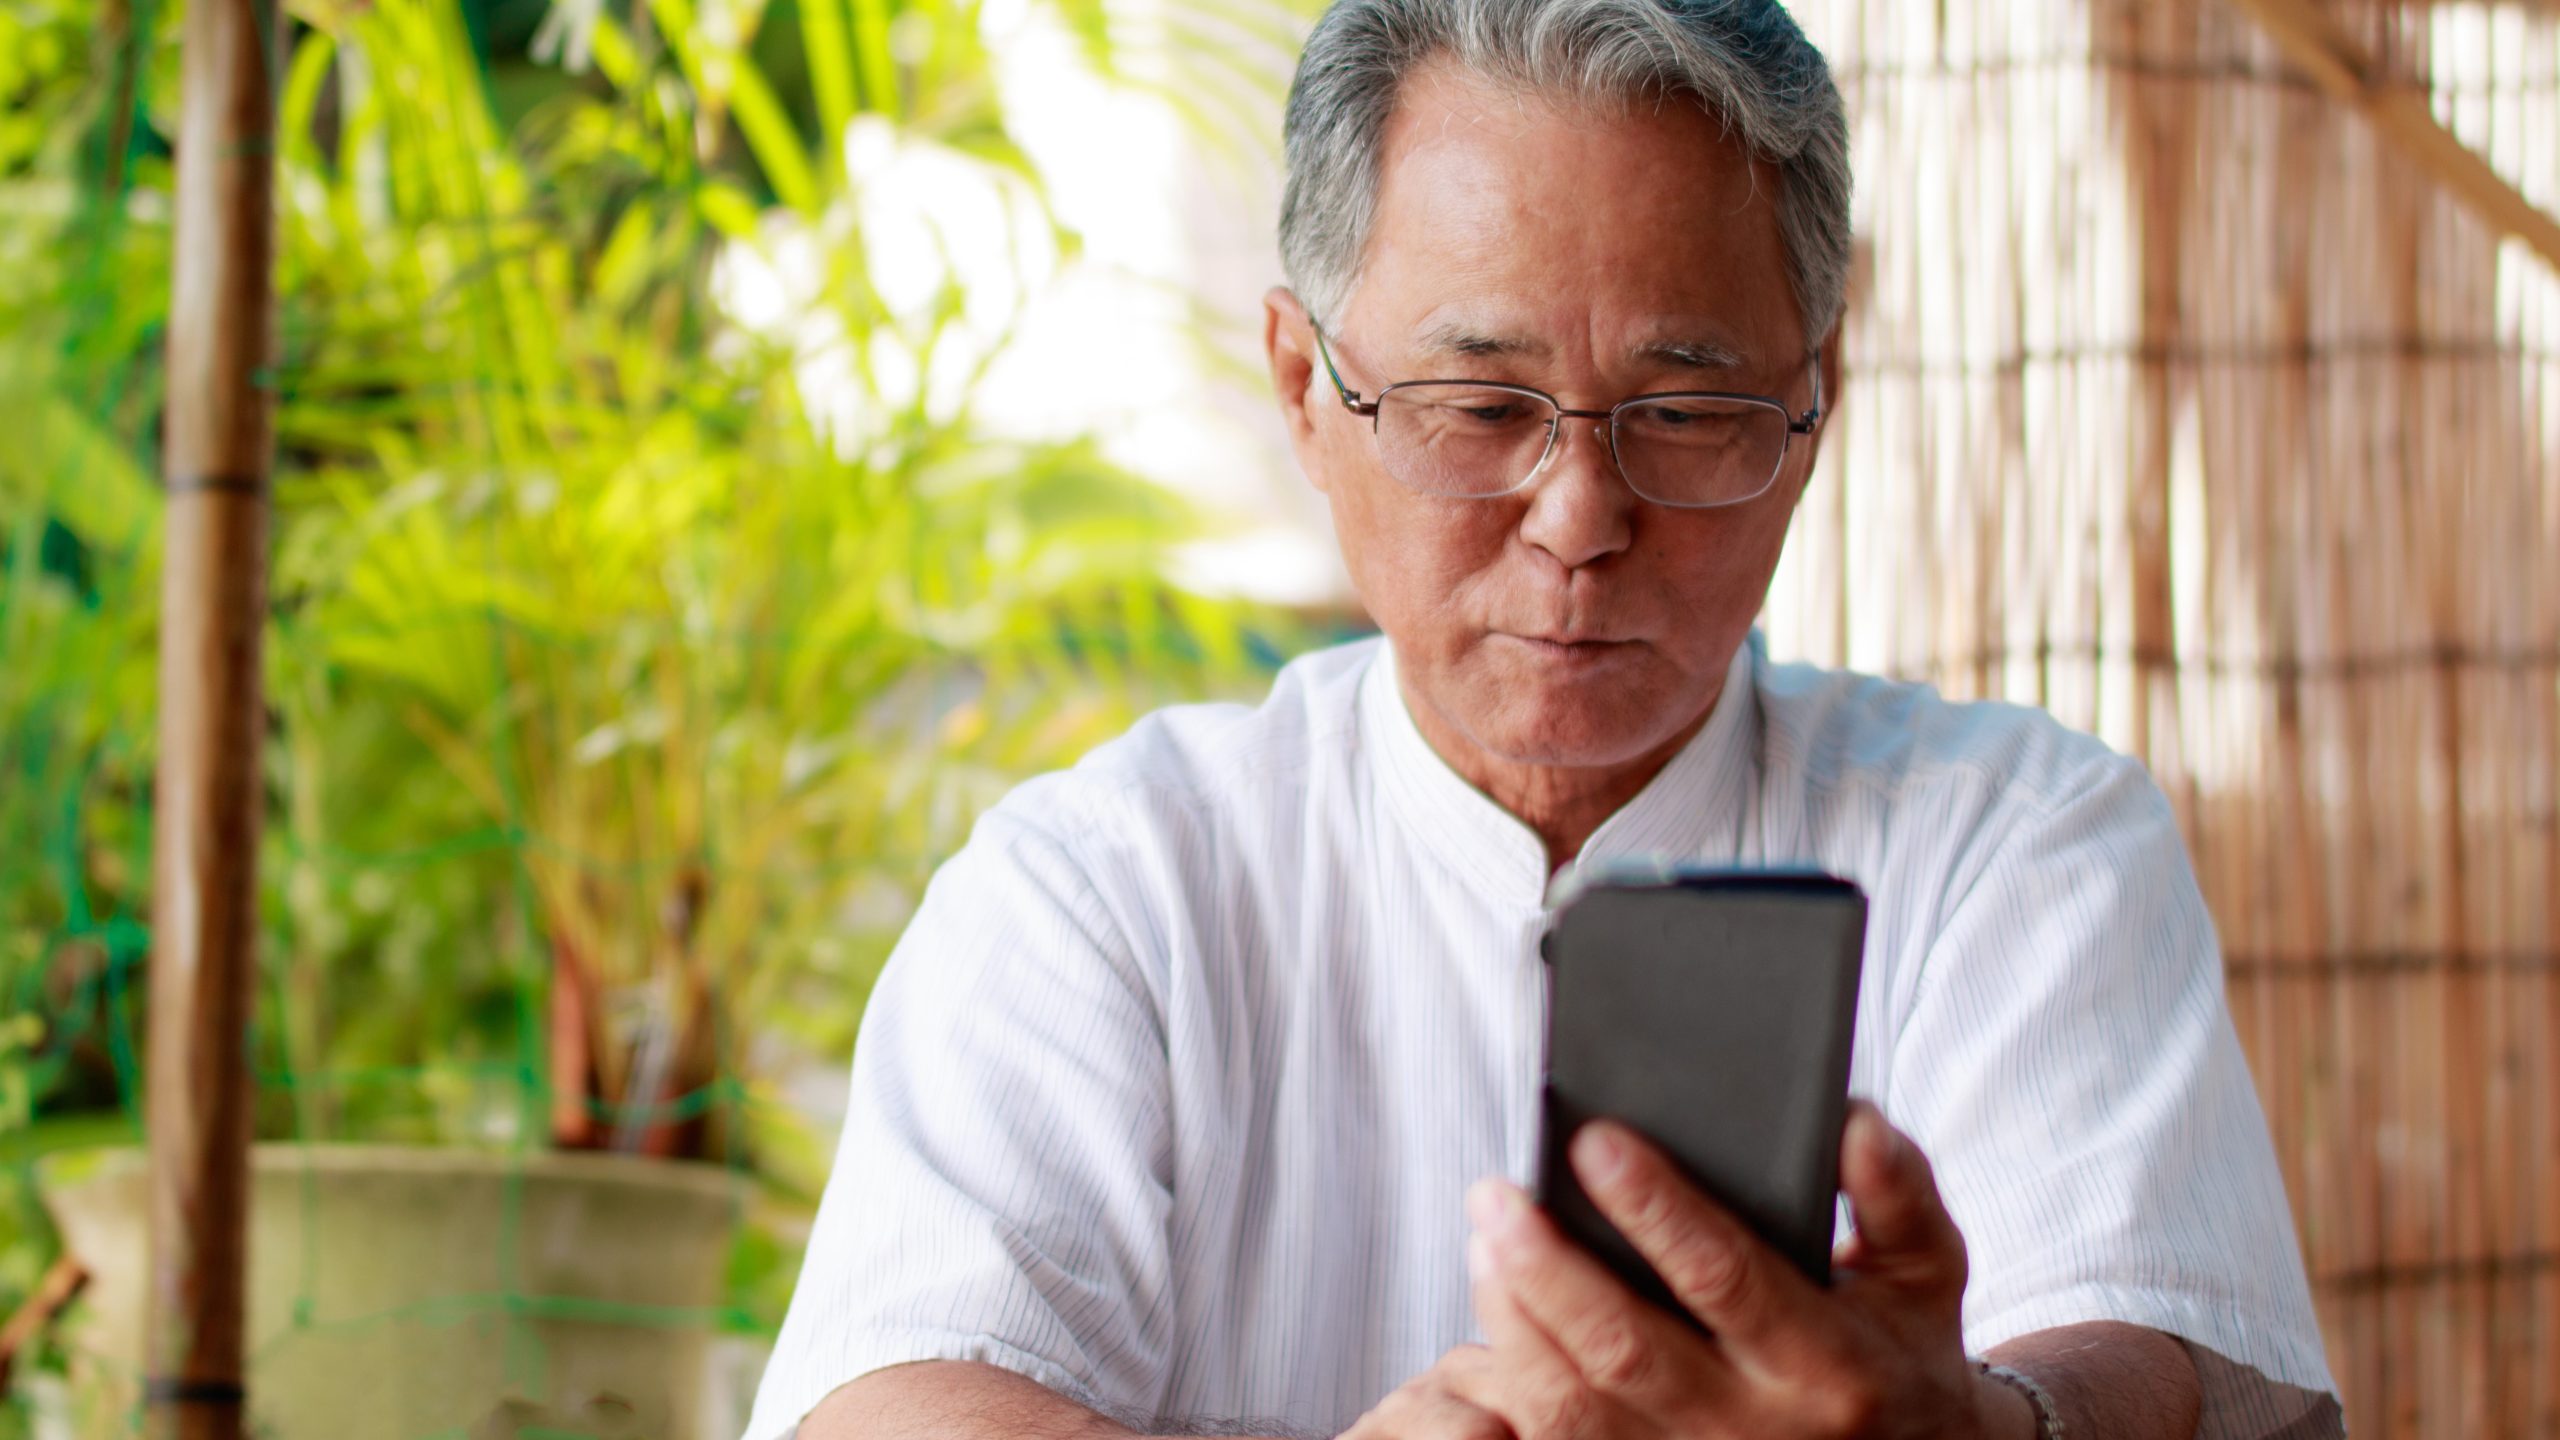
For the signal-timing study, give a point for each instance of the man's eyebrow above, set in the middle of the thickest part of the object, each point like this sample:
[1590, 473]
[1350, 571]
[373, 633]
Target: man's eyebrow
[1456, 337]
[1695, 354]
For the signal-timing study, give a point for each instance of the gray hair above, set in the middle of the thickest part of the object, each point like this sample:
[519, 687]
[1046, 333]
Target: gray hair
[1743, 60]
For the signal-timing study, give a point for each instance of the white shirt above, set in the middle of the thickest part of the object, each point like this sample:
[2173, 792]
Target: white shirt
[1168, 1097]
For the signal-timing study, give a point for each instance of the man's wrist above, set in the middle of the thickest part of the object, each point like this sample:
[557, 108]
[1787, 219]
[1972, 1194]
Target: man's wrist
[2002, 1410]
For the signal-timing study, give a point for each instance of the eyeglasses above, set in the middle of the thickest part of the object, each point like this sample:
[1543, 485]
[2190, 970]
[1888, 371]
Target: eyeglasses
[1691, 450]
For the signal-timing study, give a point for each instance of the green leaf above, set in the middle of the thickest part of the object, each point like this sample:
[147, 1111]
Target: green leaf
[777, 146]
[728, 210]
[827, 43]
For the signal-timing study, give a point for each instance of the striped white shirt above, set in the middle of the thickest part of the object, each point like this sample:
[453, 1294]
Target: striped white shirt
[1169, 1095]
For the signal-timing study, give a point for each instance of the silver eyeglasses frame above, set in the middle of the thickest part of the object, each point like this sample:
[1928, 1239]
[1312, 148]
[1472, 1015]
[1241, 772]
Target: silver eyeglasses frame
[1805, 424]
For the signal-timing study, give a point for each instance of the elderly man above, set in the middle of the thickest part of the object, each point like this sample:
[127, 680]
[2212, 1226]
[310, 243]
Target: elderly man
[1197, 1096]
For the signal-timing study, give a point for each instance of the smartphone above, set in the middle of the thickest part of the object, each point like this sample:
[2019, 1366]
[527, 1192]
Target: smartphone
[1712, 1011]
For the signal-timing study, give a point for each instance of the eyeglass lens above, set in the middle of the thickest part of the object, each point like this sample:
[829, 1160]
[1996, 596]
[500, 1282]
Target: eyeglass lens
[1472, 440]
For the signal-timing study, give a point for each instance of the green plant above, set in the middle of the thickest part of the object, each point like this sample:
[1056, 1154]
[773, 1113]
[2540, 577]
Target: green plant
[633, 656]
[726, 664]
[78, 523]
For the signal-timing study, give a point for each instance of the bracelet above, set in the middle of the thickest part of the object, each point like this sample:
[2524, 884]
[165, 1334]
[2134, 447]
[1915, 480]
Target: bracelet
[2048, 1419]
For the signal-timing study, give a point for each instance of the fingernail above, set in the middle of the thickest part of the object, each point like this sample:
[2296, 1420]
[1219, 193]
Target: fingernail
[1479, 1256]
[1869, 1133]
[1489, 1205]
[1598, 1154]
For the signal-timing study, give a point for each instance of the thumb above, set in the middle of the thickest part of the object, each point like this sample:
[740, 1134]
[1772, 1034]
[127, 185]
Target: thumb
[1905, 1235]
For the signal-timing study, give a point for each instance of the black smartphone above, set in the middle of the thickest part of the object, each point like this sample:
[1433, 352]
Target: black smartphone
[1712, 1011]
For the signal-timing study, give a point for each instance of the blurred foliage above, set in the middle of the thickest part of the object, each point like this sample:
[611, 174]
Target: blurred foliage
[614, 626]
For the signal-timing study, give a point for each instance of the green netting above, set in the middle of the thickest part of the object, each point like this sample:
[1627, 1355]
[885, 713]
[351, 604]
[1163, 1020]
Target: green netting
[630, 664]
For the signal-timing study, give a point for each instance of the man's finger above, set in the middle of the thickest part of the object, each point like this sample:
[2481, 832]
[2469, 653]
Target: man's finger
[1528, 1381]
[1736, 1285]
[1430, 1414]
[1511, 1337]
[1435, 1405]
[1617, 1341]
[1905, 1236]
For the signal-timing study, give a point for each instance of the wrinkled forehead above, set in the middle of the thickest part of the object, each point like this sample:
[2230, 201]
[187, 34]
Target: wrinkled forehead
[1511, 221]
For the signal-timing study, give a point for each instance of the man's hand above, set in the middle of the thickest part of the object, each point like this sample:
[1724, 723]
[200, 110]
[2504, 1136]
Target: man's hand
[1434, 1405]
[1575, 1355]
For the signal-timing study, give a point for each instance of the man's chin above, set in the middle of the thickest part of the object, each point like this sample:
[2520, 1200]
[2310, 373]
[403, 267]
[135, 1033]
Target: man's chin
[1570, 729]
[1577, 751]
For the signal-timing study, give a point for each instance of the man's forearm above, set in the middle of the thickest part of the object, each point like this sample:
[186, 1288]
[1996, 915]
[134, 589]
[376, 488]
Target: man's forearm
[2113, 1379]
[952, 1400]
[2106, 1378]
[959, 1400]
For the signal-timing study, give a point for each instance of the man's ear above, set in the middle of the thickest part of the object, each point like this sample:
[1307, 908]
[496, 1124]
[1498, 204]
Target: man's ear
[1829, 364]
[1831, 375]
[1288, 340]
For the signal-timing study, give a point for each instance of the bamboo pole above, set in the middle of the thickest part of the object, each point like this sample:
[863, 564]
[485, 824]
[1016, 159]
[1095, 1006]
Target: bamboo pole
[213, 594]
[2403, 113]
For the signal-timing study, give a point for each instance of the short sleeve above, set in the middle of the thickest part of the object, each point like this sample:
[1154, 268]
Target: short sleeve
[2068, 1062]
[1001, 1189]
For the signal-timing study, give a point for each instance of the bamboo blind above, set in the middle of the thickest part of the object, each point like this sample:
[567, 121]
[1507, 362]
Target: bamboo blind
[2181, 404]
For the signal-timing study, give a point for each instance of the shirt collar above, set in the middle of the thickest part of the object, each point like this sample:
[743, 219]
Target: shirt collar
[1697, 808]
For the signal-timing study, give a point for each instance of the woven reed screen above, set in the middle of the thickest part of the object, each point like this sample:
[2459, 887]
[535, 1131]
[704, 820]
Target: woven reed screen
[2181, 405]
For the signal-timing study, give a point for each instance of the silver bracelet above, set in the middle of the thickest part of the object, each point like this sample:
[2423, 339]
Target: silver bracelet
[2048, 1419]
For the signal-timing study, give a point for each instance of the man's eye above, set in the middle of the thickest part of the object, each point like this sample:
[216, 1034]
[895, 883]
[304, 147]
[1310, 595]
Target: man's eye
[1478, 410]
[1688, 423]
[1676, 417]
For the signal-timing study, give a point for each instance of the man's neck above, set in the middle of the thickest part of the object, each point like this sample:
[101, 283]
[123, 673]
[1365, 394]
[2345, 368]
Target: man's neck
[1563, 804]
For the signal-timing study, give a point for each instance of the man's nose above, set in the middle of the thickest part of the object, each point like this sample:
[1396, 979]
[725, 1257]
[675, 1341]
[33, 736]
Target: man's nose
[1580, 509]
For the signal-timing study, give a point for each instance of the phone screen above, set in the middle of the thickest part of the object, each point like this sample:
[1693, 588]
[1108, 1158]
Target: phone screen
[1711, 1011]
